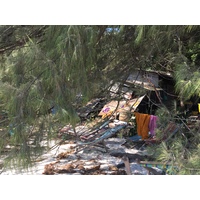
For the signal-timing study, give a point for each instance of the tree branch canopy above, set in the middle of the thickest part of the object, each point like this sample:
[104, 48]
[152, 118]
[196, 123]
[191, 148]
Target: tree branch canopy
[49, 66]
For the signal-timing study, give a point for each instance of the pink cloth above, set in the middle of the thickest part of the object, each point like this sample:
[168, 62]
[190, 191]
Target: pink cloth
[152, 124]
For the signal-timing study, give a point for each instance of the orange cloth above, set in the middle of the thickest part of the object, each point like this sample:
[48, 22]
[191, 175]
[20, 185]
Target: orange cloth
[142, 121]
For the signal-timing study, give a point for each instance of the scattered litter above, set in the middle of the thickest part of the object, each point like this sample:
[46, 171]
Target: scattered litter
[114, 143]
[82, 152]
[136, 169]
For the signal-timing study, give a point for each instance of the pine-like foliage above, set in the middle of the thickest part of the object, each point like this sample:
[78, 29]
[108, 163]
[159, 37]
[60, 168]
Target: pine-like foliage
[50, 66]
[50, 72]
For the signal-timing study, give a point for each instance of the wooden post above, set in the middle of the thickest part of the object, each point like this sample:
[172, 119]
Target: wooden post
[127, 165]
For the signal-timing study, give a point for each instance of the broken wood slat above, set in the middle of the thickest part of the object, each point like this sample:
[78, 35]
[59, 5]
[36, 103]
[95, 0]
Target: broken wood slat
[108, 133]
[96, 131]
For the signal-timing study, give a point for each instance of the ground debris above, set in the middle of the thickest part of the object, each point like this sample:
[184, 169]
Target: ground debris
[91, 167]
[50, 169]
[67, 168]
[63, 155]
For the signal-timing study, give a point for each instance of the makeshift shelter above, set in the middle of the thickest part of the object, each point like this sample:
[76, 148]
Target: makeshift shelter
[154, 85]
[158, 87]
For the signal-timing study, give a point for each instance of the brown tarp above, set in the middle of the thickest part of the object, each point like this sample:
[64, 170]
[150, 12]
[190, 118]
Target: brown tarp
[121, 107]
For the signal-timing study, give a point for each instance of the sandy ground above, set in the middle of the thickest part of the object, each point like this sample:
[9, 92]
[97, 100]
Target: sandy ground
[89, 158]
